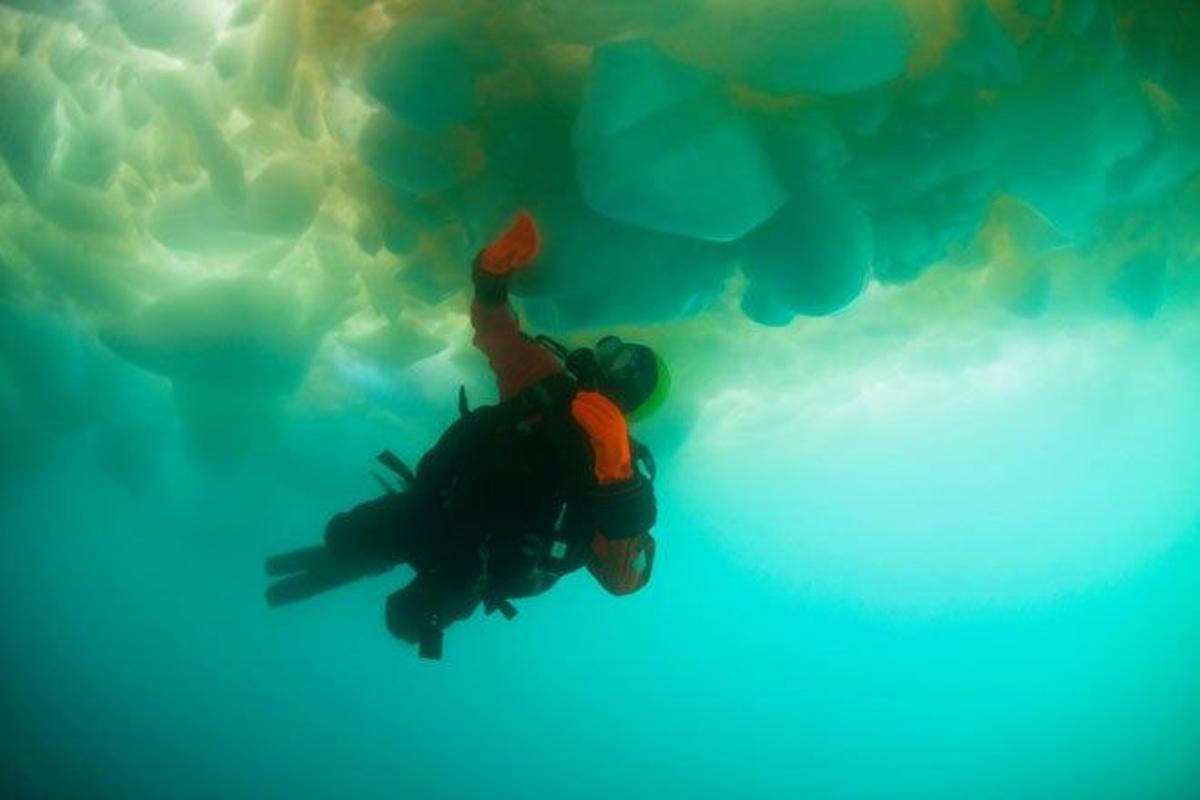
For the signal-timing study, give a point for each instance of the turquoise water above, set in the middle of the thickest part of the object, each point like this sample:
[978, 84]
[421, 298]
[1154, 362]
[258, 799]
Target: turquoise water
[926, 276]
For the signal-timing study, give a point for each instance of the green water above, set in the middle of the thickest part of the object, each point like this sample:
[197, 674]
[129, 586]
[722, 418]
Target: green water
[926, 274]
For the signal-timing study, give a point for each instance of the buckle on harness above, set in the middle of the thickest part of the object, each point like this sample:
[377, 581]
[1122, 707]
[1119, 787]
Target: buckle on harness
[506, 609]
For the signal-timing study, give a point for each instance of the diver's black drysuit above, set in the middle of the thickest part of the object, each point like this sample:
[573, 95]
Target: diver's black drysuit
[512, 497]
[499, 509]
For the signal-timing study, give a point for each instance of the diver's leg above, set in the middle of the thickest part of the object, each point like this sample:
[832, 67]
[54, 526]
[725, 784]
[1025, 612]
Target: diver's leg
[367, 540]
[379, 531]
[433, 601]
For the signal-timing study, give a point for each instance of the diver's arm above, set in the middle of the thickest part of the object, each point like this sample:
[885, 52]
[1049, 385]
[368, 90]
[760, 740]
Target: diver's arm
[517, 361]
[621, 551]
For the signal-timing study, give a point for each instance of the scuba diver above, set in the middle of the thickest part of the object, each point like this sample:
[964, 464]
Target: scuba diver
[512, 496]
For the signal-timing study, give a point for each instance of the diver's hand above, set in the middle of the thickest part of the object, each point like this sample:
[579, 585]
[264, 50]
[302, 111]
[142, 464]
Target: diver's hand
[512, 249]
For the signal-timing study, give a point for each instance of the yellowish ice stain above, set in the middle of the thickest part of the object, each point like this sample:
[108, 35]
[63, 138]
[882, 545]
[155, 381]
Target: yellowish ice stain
[938, 24]
[334, 32]
[1015, 245]
[1020, 26]
[1164, 104]
[748, 98]
[334, 37]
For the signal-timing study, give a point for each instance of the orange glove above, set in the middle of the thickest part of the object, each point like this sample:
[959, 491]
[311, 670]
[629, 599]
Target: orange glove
[513, 249]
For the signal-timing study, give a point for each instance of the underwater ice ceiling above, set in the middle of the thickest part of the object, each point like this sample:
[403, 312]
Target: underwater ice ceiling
[235, 195]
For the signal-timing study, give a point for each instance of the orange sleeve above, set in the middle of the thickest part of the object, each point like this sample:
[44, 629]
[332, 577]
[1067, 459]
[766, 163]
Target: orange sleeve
[622, 566]
[517, 362]
[608, 435]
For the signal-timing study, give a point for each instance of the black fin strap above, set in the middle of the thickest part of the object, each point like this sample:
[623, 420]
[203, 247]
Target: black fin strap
[464, 408]
[387, 487]
[393, 462]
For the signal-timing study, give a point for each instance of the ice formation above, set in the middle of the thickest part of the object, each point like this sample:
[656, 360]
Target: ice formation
[234, 195]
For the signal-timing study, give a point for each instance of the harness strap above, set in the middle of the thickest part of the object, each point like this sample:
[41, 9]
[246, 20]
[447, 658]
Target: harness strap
[396, 465]
[645, 459]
